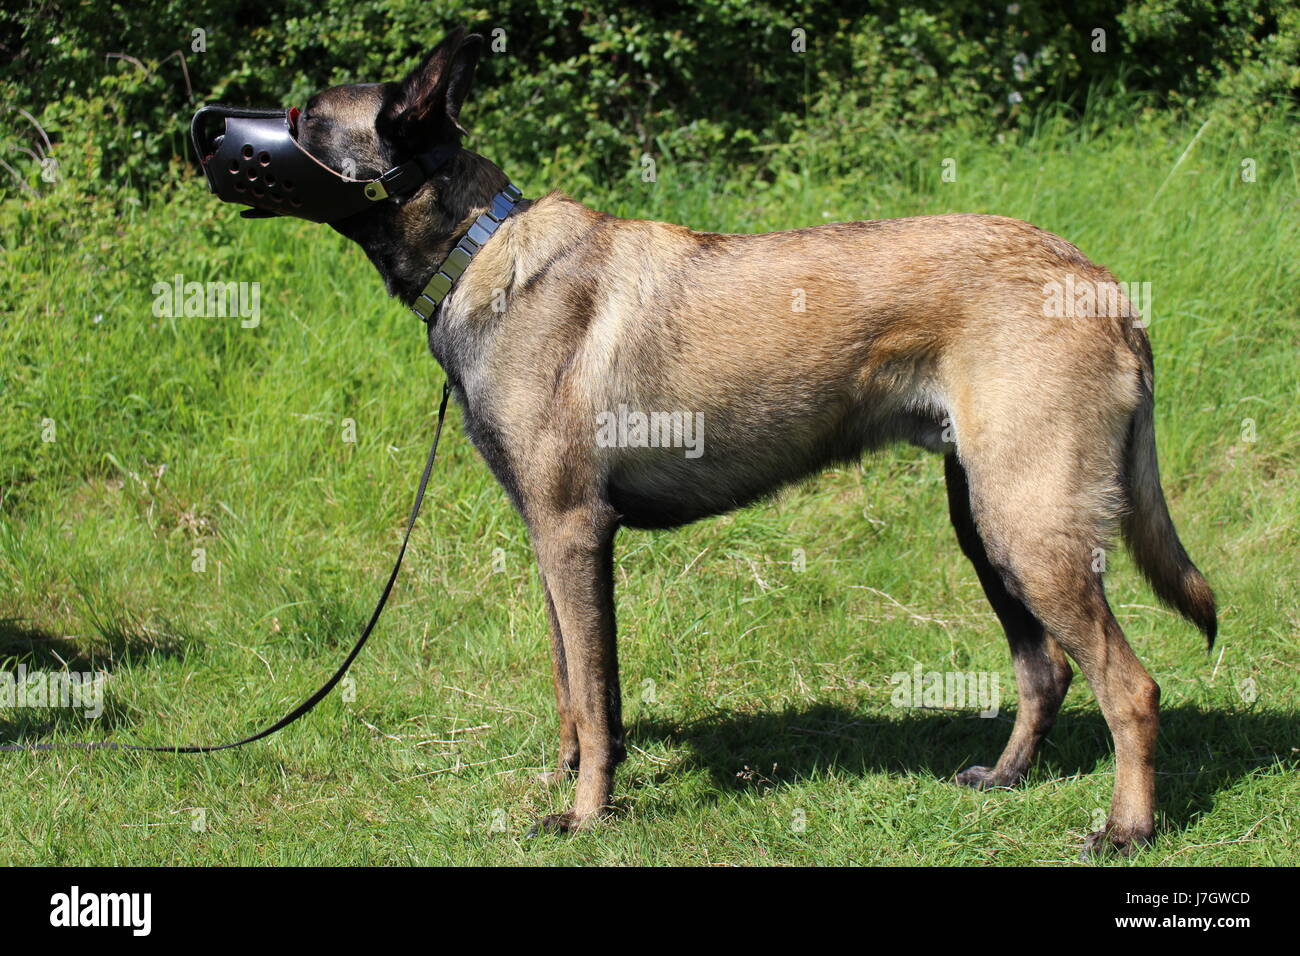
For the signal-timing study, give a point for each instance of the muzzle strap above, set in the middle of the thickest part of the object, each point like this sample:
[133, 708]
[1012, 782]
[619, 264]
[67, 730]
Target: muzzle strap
[411, 175]
[439, 287]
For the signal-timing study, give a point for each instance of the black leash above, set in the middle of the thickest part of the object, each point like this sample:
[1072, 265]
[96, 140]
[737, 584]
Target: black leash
[328, 686]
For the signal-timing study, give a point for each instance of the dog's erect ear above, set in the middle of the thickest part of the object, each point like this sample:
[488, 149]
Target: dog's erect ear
[424, 109]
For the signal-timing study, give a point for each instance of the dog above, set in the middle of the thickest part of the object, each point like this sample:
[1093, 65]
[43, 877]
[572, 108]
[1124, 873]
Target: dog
[930, 330]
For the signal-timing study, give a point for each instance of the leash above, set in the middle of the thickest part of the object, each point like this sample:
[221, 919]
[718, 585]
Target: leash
[303, 708]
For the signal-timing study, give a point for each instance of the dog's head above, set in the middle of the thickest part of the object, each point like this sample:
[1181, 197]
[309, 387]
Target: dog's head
[363, 130]
[354, 134]
[369, 128]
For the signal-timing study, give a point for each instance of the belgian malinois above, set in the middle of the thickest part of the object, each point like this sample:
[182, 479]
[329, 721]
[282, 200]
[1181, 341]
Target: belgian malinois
[932, 330]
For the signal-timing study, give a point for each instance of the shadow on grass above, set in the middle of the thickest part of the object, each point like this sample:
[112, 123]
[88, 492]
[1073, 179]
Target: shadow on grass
[28, 725]
[117, 644]
[35, 650]
[1201, 752]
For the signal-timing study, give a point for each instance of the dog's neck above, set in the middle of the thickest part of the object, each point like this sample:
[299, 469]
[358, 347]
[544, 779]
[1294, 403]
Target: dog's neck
[409, 243]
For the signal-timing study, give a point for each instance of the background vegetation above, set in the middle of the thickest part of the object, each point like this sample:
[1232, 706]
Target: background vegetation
[585, 89]
[756, 694]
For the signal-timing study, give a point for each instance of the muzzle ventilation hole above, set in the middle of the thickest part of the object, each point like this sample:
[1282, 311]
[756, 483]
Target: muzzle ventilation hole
[247, 151]
[264, 158]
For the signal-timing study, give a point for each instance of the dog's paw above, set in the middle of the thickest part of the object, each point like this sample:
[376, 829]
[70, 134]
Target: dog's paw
[984, 778]
[556, 823]
[1113, 841]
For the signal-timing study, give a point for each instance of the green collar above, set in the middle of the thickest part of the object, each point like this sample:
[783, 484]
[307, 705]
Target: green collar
[439, 287]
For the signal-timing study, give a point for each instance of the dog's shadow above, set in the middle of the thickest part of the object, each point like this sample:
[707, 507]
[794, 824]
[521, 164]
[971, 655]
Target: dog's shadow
[1200, 754]
[36, 649]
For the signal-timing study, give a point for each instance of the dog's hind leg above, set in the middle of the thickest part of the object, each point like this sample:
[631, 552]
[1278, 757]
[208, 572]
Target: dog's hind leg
[1041, 499]
[1042, 671]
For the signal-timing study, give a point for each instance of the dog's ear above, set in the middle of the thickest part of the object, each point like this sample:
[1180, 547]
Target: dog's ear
[424, 109]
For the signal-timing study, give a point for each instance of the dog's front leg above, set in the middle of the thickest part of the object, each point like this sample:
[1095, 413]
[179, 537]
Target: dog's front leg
[575, 553]
[570, 753]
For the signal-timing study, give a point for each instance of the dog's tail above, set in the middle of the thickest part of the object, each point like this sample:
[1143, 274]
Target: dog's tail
[1147, 527]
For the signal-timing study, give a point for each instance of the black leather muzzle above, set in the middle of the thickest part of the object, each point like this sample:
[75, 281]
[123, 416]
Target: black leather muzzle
[255, 159]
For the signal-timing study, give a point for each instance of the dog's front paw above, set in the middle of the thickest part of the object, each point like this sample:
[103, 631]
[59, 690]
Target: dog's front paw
[1121, 841]
[985, 778]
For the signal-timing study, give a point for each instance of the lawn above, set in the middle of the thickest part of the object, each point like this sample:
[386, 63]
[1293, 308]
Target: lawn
[206, 512]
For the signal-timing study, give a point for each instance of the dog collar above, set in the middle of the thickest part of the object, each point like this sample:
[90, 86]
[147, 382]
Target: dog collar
[439, 287]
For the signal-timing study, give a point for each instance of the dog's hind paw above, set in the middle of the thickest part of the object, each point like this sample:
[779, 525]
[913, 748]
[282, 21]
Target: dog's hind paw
[985, 778]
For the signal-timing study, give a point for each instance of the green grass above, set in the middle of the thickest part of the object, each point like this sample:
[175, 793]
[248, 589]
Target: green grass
[753, 693]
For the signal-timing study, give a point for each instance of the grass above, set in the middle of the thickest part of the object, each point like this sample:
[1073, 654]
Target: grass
[756, 695]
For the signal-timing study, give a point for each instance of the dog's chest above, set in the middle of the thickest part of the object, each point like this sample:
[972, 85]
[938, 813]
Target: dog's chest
[461, 357]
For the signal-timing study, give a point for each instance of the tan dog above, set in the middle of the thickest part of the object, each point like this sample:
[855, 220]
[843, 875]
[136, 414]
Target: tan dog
[938, 330]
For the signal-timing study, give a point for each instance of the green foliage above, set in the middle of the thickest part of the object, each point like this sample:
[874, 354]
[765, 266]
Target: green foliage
[584, 92]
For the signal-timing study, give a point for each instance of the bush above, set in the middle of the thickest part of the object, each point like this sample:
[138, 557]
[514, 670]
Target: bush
[583, 93]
